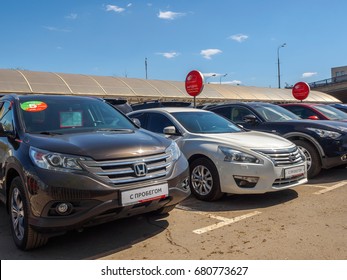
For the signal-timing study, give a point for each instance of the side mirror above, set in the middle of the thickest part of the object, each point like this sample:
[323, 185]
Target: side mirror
[313, 117]
[170, 130]
[136, 122]
[250, 119]
[5, 133]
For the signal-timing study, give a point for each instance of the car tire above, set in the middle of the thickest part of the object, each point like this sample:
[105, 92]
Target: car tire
[24, 236]
[314, 164]
[204, 180]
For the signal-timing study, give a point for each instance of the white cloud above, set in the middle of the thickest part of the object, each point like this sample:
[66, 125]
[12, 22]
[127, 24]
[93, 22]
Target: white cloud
[114, 8]
[71, 16]
[169, 54]
[129, 5]
[309, 74]
[169, 15]
[209, 53]
[207, 75]
[51, 28]
[234, 82]
[239, 37]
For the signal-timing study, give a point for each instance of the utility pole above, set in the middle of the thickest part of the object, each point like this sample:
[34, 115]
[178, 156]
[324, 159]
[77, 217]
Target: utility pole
[146, 67]
[278, 64]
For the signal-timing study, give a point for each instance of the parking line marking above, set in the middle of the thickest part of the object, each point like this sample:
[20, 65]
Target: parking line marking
[328, 189]
[225, 221]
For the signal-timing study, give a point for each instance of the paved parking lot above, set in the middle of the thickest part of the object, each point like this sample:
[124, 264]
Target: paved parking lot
[308, 222]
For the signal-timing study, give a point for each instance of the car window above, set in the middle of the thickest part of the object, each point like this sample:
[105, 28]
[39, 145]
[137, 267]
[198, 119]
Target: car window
[141, 117]
[302, 112]
[205, 122]
[6, 116]
[156, 122]
[234, 113]
[274, 113]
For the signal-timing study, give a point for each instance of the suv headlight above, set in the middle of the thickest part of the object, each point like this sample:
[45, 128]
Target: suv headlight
[233, 155]
[54, 161]
[325, 133]
[174, 151]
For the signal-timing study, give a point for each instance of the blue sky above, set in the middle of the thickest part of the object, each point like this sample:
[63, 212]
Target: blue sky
[239, 38]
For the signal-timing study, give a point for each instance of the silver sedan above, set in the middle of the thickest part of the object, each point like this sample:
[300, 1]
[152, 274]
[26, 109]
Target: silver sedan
[225, 158]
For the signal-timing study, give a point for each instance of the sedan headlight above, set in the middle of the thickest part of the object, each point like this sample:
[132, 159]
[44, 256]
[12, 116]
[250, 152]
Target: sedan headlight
[54, 161]
[325, 133]
[233, 155]
[174, 151]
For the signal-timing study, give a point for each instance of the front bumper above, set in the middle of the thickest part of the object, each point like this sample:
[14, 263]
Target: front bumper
[92, 200]
[270, 178]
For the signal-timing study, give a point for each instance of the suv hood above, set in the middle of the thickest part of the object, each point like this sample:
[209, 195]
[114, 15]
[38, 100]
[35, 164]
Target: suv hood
[102, 145]
[251, 140]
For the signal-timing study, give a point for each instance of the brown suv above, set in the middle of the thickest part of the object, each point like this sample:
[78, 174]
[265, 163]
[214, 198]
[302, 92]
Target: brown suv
[70, 162]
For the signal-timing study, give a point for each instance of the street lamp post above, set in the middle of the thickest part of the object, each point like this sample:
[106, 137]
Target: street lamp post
[213, 75]
[278, 64]
[220, 78]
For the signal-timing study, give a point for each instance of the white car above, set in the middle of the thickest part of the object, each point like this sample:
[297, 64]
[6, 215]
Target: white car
[225, 158]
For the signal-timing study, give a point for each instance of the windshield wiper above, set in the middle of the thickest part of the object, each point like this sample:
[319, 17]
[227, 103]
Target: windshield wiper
[47, 133]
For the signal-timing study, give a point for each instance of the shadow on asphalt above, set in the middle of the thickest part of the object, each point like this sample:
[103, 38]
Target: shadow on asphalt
[327, 176]
[92, 243]
[239, 202]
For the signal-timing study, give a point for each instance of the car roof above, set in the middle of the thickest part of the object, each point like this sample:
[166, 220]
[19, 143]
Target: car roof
[169, 110]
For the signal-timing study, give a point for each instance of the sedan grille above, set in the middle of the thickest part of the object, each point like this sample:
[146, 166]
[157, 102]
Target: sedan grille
[125, 171]
[283, 157]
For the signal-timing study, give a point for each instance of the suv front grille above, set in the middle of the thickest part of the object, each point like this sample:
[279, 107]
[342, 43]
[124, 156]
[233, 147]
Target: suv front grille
[122, 171]
[283, 157]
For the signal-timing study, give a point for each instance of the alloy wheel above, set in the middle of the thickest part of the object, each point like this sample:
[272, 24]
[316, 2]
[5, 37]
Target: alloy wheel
[201, 179]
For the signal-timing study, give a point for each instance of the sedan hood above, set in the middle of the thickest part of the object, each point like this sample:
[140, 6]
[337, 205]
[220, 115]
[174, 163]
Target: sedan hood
[102, 145]
[251, 140]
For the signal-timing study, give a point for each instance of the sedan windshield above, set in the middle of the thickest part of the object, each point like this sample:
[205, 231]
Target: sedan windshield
[56, 115]
[205, 122]
[331, 112]
[275, 113]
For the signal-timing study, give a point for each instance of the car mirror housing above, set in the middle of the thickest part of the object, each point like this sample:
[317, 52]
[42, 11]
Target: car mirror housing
[250, 119]
[136, 122]
[170, 130]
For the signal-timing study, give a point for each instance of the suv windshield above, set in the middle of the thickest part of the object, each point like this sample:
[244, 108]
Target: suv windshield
[57, 114]
[275, 113]
[205, 122]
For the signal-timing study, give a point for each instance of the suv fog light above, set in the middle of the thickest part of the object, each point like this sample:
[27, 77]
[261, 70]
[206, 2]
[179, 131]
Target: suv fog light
[344, 157]
[64, 208]
[246, 181]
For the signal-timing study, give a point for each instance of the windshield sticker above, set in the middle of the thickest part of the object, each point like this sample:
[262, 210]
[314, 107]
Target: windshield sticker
[33, 106]
[70, 119]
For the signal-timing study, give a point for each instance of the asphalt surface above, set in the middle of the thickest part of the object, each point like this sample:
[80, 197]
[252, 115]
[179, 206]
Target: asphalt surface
[307, 222]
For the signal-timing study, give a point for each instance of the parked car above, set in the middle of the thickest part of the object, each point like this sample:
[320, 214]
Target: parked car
[341, 107]
[70, 162]
[225, 158]
[315, 111]
[323, 143]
